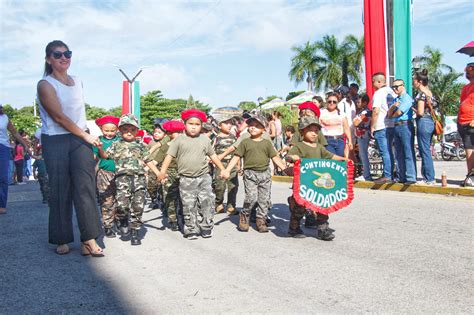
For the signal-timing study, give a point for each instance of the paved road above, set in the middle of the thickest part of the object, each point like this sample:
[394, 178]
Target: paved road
[393, 252]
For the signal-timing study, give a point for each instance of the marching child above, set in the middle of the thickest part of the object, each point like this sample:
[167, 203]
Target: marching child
[170, 188]
[106, 189]
[39, 172]
[153, 185]
[222, 142]
[130, 159]
[309, 148]
[256, 153]
[191, 151]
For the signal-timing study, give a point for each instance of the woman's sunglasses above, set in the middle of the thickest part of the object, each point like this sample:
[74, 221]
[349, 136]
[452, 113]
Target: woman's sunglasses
[331, 102]
[58, 54]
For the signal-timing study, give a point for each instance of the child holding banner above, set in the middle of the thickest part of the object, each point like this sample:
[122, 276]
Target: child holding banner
[309, 148]
[256, 153]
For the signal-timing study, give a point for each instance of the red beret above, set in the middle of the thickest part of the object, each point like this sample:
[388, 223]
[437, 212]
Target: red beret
[173, 126]
[312, 107]
[147, 139]
[140, 133]
[107, 120]
[194, 113]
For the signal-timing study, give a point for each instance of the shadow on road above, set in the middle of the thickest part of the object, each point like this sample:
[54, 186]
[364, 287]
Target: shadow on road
[36, 280]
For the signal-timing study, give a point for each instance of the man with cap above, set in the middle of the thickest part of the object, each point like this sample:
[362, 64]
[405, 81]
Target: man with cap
[105, 177]
[221, 143]
[170, 188]
[191, 151]
[309, 128]
[130, 159]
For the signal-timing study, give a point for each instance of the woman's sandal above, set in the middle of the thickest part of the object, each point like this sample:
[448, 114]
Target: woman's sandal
[86, 249]
[62, 249]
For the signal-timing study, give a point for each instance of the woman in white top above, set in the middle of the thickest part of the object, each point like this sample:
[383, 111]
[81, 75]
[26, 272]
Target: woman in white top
[5, 152]
[335, 127]
[68, 154]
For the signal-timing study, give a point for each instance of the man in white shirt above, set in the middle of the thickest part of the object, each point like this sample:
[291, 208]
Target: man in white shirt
[381, 124]
[347, 108]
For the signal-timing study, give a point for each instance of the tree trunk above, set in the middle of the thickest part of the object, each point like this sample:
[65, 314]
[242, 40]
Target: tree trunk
[345, 78]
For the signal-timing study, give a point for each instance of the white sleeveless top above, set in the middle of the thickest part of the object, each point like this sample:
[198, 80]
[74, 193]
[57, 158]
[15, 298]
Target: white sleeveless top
[72, 104]
[4, 131]
[331, 123]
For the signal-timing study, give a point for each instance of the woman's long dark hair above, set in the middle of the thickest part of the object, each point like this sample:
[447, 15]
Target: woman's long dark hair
[49, 49]
[422, 76]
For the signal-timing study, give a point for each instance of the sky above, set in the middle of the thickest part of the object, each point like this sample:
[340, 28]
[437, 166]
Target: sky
[220, 51]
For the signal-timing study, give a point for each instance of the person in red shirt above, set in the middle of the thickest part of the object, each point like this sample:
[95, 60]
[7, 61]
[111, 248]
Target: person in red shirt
[466, 121]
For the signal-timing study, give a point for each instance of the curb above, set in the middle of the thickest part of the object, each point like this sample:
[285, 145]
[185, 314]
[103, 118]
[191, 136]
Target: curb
[461, 191]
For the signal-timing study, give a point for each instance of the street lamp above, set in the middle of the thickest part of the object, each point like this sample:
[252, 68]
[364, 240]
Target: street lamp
[416, 63]
[260, 101]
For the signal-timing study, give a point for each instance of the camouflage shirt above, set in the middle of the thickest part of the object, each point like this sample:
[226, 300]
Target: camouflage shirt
[130, 157]
[222, 143]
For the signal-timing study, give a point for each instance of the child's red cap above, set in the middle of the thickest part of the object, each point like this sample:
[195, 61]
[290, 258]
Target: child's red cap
[107, 120]
[172, 126]
[194, 113]
[140, 133]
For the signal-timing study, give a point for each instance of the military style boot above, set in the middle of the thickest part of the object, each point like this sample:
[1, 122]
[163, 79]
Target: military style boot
[294, 229]
[109, 233]
[231, 210]
[123, 226]
[324, 233]
[174, 226]
[220, 209]
[135, 240]
[310, 220]
[243, 222]
[262, 225]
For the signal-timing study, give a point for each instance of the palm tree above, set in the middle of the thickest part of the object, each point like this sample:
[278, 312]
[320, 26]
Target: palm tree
[303, 64]
[354, 50]
[431, 61]
[330, 66]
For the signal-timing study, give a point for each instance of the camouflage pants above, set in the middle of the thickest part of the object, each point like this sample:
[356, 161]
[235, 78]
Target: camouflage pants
[153, 186]
[298, 212]
[198, 200]
[44, 186]
[257, 192]
[170, 192]
[106, 194]
[220, 185]
[131, 198]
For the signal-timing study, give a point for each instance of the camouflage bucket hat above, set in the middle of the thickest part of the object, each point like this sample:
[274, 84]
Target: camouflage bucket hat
[222, 118]
[308, 121]
[129, 119]
[207, 126]
[258, 118]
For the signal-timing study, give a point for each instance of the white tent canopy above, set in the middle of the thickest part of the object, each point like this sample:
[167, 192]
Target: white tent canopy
[274, 103]
[303, 97]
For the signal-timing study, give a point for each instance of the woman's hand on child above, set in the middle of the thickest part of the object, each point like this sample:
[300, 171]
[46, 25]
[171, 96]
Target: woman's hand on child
[225, 174]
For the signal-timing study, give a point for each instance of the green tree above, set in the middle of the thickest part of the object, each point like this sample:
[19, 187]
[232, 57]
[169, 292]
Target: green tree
[293, 94]
[93, 112]
[115, 111]
[289, 116]
[304, 64]
[353, 56]
[442, 80]
[331, 56]
[247, 105]
[22, 118]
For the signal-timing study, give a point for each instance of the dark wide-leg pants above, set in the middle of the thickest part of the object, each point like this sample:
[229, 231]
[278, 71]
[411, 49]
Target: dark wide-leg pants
[70, 165]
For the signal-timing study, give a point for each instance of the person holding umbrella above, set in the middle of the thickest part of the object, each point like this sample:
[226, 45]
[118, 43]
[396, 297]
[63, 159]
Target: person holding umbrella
[466, 122]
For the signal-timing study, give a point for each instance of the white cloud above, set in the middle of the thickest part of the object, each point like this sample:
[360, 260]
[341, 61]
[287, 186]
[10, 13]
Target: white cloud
[172, 80]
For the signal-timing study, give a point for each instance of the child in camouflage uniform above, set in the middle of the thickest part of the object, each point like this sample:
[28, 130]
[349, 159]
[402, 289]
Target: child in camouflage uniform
[309, 148]
[223, 141]
[257, 153]
[105, 176]
[170, 188]
[39, 172]
[159, 138]
[191, 151]
[130, 159]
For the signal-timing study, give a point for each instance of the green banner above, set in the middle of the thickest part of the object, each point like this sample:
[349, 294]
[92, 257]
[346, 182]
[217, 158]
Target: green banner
[323, 186]
[402, 39]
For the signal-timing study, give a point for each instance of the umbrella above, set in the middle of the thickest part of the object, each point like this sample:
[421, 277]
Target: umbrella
[468, 49]
[303, 97]
[274, 103]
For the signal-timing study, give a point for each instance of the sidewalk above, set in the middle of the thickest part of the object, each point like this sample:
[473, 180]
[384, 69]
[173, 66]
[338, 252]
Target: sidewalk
[455, 172]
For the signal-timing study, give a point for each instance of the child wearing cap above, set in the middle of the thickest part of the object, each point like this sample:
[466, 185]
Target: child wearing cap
[309, 148]
[224, 140]
[256, 153]
[153, 185]
[40, 173]
[170, 188]
[130, 159]
[191, 152]
[105, 177]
